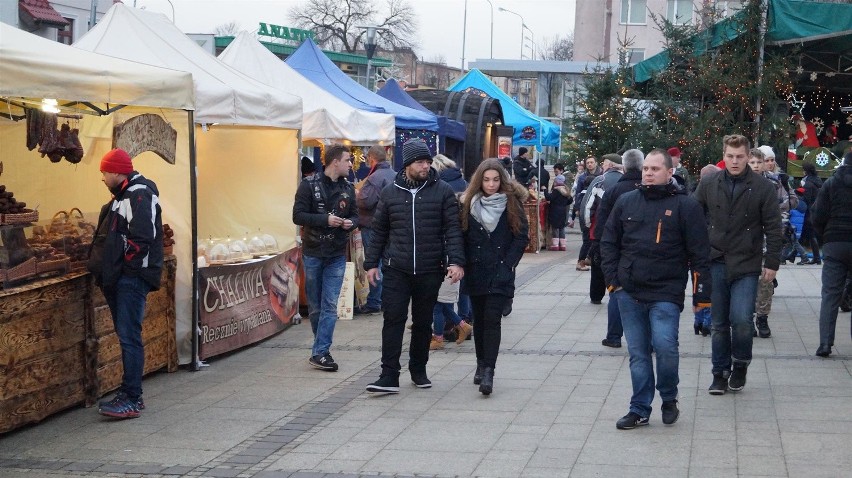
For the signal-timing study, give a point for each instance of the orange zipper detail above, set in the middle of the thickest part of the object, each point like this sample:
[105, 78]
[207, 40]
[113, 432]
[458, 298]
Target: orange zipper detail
[659, 229]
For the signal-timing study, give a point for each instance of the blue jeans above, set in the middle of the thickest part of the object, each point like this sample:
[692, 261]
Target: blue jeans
[837, 258]
[732, 311]
[650, 325]
[439, 317]
[126, 303]
[374, 298]
[614, 328]
[323, 280]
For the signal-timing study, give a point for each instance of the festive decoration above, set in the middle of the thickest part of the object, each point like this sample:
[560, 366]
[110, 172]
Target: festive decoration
[800, 70]
[357, 157]
[818, 123]
[822, 159]
[849, 119]
[796, 105]
[813, 76]
[830, 74]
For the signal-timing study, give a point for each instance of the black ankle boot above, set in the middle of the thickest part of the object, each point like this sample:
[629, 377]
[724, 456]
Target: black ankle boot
[697, 328]
[477, 376]
[487, 384]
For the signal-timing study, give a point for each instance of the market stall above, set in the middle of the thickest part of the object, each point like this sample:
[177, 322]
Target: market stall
[312, 63]
[246, 138]
[57, 347]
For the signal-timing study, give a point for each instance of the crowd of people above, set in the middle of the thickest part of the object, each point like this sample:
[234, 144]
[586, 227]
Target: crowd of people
[433, 240]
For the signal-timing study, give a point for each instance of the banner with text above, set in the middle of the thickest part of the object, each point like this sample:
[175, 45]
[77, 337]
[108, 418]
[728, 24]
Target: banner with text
[246, 302]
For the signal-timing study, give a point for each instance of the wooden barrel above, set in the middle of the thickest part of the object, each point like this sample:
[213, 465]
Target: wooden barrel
[472, 109]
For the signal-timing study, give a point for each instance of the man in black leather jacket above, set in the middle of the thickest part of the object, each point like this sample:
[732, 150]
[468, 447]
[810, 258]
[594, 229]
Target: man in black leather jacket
[418, 239]
[325, 208]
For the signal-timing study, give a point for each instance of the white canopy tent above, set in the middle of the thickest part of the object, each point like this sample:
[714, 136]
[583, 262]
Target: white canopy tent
[326, 118]
[246, 136]
[103, 91]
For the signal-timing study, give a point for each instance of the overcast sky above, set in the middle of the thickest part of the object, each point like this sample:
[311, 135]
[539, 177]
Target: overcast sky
[440, 22]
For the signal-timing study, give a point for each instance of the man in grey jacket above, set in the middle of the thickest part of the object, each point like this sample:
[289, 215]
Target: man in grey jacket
[367, 195]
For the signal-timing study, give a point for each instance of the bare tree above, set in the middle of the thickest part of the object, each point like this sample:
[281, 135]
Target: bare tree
[336, 22]
[560, 48]
[230, 29]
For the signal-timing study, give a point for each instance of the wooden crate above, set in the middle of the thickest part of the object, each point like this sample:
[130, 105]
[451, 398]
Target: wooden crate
[58, 348]
[42, 349]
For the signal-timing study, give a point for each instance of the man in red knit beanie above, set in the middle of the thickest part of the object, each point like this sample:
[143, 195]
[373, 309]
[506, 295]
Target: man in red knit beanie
[126, 262]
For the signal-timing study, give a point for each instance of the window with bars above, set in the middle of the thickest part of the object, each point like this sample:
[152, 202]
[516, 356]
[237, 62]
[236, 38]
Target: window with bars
[633, 11]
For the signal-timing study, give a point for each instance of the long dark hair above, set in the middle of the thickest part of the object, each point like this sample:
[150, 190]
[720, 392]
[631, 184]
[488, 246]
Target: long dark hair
[514, 209]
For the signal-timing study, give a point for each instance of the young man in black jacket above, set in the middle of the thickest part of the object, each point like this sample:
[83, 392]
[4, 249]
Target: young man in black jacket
[742, 210]
[325, 208]
[126, 261]
[652, 238]
[418, 239]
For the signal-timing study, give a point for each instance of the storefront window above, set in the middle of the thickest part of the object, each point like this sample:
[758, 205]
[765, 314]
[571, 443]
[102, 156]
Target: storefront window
[66, 34]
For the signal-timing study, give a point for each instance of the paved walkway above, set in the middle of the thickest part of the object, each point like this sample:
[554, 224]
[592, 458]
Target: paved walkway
[263, 412]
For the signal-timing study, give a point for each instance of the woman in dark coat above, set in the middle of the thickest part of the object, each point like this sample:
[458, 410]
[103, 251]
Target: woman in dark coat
[811, 184]
[559, 200]
[495, 235]
[449, 173]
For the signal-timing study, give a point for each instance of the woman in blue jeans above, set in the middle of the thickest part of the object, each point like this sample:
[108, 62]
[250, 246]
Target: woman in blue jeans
[495, 236]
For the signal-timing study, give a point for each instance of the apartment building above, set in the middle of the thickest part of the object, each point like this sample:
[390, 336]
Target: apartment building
[624, 30]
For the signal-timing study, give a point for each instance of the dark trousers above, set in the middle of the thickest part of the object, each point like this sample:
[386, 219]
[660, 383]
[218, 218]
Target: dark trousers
[838, 263]
[126, 302]
[399, 289]
[487, 315]
[597, 284]
[587, 242]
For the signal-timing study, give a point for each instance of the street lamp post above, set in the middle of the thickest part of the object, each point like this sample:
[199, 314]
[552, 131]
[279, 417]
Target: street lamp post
[491, 9]
[370, 47]
[464, 34]
[523, 25]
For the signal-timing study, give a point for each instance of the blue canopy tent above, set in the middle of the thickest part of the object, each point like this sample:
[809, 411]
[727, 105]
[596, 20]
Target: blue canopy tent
[312, 63]
[452, 133]
[530, 130]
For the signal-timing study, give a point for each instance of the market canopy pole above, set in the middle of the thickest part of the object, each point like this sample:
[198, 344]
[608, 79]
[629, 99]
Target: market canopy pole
[761, 45]
[195, 326]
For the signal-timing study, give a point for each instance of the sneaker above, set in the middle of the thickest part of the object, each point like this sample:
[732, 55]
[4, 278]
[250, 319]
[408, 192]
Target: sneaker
[670, 412]
[437, 343]
[719, 385]
[140, 404]
[119, 407]
[323, 362]
[738, 378]
[630, 421]
[367, 310]
[385, 384]
[463, 329]
[616, 344]
[762, 324]
[420, 380]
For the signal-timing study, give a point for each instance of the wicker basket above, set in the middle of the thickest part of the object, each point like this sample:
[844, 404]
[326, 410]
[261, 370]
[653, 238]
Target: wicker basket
[22, 218]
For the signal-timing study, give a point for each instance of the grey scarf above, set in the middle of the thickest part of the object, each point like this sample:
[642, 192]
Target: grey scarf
[487, 210]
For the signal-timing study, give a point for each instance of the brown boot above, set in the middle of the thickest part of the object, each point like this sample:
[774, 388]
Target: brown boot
[582, 266]
[463, 329]
[437, 343]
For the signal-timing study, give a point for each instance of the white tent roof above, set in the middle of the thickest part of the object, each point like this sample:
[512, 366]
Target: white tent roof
[326, 118]
[34, 67]
[222, 94]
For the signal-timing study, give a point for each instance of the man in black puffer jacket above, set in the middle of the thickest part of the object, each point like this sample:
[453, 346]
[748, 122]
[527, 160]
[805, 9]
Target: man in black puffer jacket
[832, 219]
[652, 238]
[418, 239]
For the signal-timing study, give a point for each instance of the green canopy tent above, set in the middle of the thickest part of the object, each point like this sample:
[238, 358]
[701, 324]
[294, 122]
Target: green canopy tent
[822, 30]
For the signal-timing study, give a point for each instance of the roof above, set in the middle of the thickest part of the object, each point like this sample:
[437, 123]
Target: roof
[310, 61]
[41, 11]
[326, 118]
[817, 26]
[446, 127]
[532, 68]
[222, 93]
[337, 57]
[36, 68]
